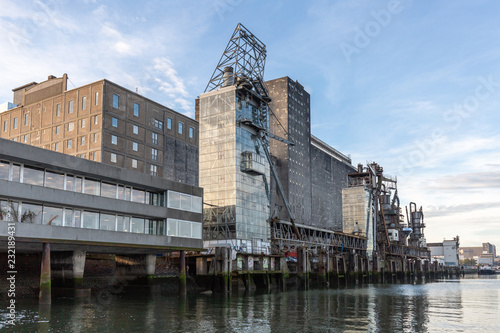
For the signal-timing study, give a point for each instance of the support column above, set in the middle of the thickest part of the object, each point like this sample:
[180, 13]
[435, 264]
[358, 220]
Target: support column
[78, 260]
[322, 269]
[182, 273]
[45, 295]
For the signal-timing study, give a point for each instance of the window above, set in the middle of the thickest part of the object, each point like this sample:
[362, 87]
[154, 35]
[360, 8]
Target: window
[96, 98]
[94, 137]
[70, 107]
[181, 125]
[56, 146]
[15, 123]
[113, 158]
[154, 138]
[82, 155]
[71, 126]
[33, 176]
[92, 186]
[154, 170]
[108, 190]
[114, 140]
[82, 123]
[58, 129]
[26, 119]
[169, 123]
[154, 154]
[96, 120]
[158, 124]
[134, 163]
[5, 126]
[137, 225]
[135, 129]
[116, 101]
[25, 138]
[183, 201]
[181, 228]
[84, 102]
[90, 220]
[138, 196]
[93, 155]
[191, 132]
[135, 146]
[136, 110]
[69, 143]
[52, 216]
[54, 180]
[114, 122]
[107, 222]
[82, 141]
[58, 110]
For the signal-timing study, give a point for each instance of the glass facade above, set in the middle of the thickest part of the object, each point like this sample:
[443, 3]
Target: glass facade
[240, 195]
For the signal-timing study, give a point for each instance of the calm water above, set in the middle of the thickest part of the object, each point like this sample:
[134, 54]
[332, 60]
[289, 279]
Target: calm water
[466, 305]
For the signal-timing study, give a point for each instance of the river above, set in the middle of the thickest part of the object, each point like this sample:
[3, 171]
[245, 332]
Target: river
[470, 304]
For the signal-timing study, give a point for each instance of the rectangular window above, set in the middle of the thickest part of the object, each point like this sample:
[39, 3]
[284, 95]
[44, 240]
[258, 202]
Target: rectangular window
[52, 216]
[31, 213]
[108, 222]
[94, 137]
[135, 129]
[33, 176]
[84, 102]
[90, 220]
[169, 123]
[82, 141]
[54, 180]
[154, 170]
[137, 225]
[58, 129]
[180, 128]
[26, 119]
[82, 123]
[154, 138]
[93, 155]
[114, 122]
[56, 146]
[116, 101]
[114, 140]
[69, 143]
[158, 124]
[15, 123]
[92, 186]
[58, 110]
[4, 170]
[138, 196]
[113, 158]
[181, 228]
[154, 154]
[136, 110]
[70, 106]
[25, 138]
[135, 146]
[191, 132]
[177, 200]
[108, 190]
[134, 163]
[123, 223]
[71, 126]
[96, 120]
[96, 98]
[5, 126]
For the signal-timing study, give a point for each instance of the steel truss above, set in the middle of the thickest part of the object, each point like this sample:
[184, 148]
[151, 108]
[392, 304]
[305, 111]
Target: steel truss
[284, 238]
[245, 53]
[402, 250]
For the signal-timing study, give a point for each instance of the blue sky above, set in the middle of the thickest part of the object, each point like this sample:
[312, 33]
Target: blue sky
[412, 85]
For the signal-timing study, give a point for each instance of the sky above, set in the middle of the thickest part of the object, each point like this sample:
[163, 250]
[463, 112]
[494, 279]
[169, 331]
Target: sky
[411, 85]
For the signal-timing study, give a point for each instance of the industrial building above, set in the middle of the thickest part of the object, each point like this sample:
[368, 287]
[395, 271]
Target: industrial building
[447, 252]
[104, 122]
[312, 173]
[482, 255]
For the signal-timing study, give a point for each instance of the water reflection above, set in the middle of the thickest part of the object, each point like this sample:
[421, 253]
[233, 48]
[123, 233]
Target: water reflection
[458, 305]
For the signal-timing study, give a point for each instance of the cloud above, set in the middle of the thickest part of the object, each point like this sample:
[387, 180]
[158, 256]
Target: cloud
[437, 211]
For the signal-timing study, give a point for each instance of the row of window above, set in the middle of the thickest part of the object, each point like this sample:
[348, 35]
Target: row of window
[157, 124]
[71, 125]
[58, 112]
[74, 183]
[68, 217]
[63, 181]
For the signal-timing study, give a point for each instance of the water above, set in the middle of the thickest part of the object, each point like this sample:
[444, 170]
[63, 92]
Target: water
[465, 305]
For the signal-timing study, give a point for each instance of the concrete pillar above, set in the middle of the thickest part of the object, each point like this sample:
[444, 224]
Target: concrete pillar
[182, 272]
[78, 260]
[201, 266]
[321, 269]
[45, 295]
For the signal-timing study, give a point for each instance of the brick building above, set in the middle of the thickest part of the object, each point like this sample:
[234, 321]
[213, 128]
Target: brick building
[104, 122]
